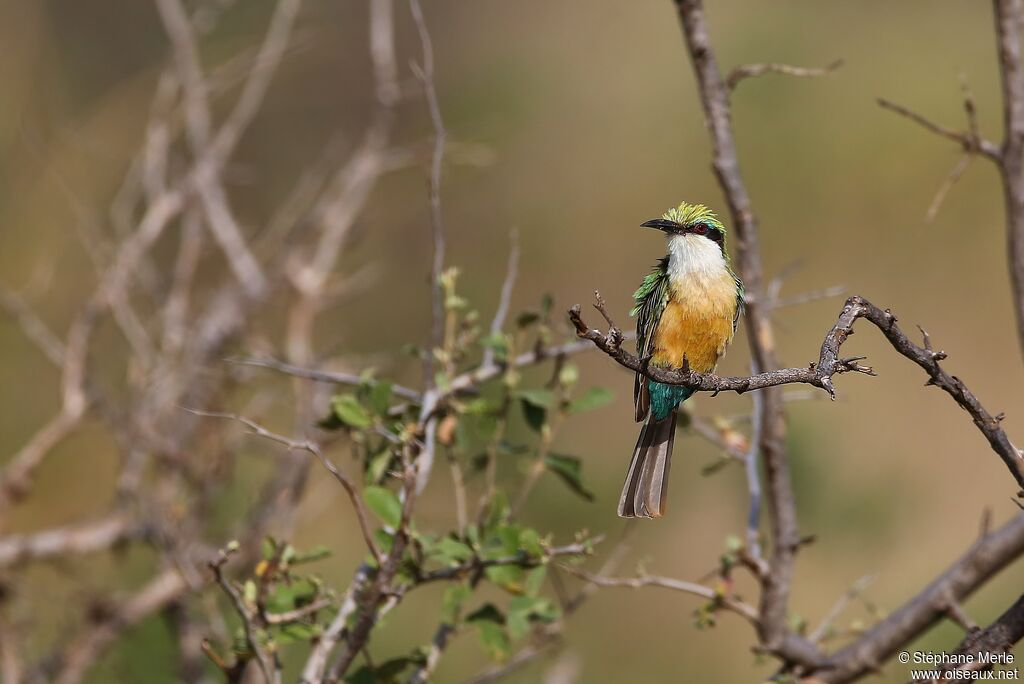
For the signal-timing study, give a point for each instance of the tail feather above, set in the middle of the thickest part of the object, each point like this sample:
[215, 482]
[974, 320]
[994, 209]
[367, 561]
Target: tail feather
[644, 494]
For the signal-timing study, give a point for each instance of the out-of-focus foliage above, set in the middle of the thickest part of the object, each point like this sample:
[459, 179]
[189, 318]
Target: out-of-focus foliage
[573, 122]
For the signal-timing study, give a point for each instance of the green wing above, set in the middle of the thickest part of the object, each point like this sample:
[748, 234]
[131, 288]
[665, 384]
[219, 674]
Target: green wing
[739, 301]
[650, 298]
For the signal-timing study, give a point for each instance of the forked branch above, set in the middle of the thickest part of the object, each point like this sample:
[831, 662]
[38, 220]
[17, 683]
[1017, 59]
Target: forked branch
[820, 374]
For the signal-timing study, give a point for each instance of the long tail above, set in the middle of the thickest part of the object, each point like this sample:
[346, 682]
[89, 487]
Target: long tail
[644, 494]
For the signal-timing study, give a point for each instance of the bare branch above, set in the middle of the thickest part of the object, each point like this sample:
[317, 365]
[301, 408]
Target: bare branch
[954, 175]
[748, 612]
[98, 535]
[967, 141]
[1008, 17]
[995, 640]
[331, 377]
[855, 590]
[505, 300]
[829, 364]
[752, 70]
[785, 537]
[11, 666]
[83, 652]
[208, 164]
[807, 297]
[425, 72]
[34, 328]
[982, 560]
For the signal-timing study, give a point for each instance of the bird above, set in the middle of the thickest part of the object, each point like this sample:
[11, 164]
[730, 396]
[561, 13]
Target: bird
[686, 310]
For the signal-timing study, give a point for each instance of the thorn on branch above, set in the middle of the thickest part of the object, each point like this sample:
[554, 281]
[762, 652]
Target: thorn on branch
[850, 365]
[927, 339]
[956, 612]
[985, 526]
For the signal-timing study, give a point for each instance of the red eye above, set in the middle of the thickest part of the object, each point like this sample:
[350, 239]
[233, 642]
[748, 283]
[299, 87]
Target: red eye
[700, 229]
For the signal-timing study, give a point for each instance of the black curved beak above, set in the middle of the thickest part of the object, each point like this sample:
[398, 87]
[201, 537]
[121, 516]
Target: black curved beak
[661, 224]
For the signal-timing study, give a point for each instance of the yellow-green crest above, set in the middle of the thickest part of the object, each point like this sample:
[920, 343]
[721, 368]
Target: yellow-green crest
[687, 214]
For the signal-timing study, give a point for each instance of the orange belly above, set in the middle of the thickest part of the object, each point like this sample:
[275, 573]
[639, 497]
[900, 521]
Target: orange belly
[697, 328]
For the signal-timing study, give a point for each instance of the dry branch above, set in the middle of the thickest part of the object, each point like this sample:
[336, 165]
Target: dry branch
[785, 537]
[820, 374]
[753, 70]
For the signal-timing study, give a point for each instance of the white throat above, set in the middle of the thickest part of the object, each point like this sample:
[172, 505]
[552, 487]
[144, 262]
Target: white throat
[694, 257]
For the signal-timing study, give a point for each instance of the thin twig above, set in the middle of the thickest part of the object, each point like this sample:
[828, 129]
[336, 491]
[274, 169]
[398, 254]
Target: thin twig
[317, 375]
[266, 661]
[966, 140]
[505, 300]
[748, 612]
[314, 449]
[751, 70]
[425, 73]
[855, 590]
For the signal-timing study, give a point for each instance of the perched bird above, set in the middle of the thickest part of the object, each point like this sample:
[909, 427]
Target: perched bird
[686, 313]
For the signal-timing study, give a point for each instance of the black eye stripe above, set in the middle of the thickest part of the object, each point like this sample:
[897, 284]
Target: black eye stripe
[706, 230]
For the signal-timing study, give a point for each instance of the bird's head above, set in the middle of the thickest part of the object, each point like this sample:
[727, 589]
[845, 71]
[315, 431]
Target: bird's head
[688, 220]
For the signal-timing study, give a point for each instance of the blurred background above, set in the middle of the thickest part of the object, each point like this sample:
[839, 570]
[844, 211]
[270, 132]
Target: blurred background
[571, 123]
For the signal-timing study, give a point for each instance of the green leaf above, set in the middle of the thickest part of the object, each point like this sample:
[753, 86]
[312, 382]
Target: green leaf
[384, 504]
[486, 613]
[522, 610]
[450, 551]
[529, 541]
[494, 639]
[490, 623]
[541, 398]
[509, 536]
[535, 580]
[377, 465]
[249, 592]
[286, 597]
[481, 406]
[527, 318]
[508, 577]
[299, 631]
[413, 350]
[498, 342]
[363, 675]
[385, 540]
[268, 548]
[570, 470]
[536, 416]
[442, 381]
[451, 604]
[350, 412]
[518, 624]
[595, 397]
[498, 512]
[389, 671]
[316, 553]
[380, 397]
[546, 302]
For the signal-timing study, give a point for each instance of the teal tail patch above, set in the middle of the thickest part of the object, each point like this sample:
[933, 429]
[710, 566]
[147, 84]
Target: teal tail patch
[665, 398]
